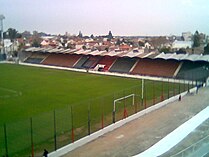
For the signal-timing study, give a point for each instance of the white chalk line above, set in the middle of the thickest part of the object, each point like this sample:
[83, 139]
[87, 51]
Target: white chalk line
[14, 93]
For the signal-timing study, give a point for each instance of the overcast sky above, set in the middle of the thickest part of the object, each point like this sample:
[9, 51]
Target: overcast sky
[122, 17]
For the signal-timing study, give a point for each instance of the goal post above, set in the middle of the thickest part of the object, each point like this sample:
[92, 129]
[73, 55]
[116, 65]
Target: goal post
[122, 98]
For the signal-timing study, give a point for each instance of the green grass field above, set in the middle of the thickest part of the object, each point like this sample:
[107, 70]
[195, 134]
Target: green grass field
[27, 92]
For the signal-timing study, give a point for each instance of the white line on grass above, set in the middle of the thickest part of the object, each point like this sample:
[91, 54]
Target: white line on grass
[13, 93]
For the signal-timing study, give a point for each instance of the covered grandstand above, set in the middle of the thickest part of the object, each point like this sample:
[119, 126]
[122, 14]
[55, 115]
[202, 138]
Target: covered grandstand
[171, 65]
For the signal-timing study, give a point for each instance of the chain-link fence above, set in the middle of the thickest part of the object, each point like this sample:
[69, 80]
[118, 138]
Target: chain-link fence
[60, 127]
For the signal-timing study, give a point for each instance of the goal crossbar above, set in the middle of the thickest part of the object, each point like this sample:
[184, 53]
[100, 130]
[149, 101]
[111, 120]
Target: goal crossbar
[125, 97]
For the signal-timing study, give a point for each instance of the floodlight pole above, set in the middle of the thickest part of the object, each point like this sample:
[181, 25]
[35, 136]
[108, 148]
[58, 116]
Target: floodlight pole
[2, 30]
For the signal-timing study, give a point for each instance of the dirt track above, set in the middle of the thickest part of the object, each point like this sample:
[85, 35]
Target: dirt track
[140, 134]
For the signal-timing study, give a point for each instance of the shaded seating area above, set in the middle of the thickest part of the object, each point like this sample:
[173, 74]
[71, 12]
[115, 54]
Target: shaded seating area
[123, 65]
[91, 62]
[63, 60]
[194, 70]
[156, 67]
[36, 58]
[107, 61]
[81, 62]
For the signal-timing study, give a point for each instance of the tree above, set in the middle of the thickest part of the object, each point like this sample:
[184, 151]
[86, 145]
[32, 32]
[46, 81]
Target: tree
[92, 36]
[165, 49]
[109, 36]
[84, 47]
[80, 34]
[12, 34]
[206, 49]
[196, 39]
[118, 42]
[36, 43]
[181, 51]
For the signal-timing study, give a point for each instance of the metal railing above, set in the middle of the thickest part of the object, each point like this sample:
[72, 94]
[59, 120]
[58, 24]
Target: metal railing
[193, 148]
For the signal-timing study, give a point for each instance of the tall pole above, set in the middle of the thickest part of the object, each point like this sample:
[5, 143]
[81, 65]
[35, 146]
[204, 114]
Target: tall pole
[2, 30]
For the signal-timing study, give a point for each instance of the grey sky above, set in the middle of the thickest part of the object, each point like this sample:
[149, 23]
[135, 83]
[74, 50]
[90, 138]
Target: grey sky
[122, 17]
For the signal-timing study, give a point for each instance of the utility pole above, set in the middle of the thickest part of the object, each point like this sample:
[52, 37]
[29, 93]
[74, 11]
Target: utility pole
[2, 31]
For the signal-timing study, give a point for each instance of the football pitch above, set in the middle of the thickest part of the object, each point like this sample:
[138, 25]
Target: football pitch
[27, 91]
[39, 98]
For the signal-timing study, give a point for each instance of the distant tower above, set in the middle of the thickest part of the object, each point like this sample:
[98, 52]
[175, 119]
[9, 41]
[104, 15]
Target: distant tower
[80, 34]
[2, 30]
[110, 35]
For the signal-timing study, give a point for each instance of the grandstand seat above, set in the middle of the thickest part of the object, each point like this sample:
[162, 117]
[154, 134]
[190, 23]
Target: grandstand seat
[156, 67]
[107, 61]
[91, 62]
[193, 70]
[63, 60]
[80, 63]
[36, 58]
[123, 65]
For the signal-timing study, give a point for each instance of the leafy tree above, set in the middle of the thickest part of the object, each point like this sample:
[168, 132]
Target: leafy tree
[141, 43]
[92, 36]
[80, 34]
[118, 42]
[12, 34]
[107, 49]
[206, 49]
[165, 49]
[181, 51]
[84, 47]
[36, 43]
[110, 36]
[196, 39]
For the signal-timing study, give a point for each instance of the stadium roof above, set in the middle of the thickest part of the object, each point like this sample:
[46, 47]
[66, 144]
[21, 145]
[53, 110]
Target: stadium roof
[131, 54]
[193, 57]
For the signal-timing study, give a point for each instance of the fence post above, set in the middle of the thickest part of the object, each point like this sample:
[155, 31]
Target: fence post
[5, 138]
[31, 134]
[162, 94]
[89, 121]
[55, 132]
[174, 92]
[145, 96]
[135, 103]
[114, 109]
[179, 86]
[124, 109]
[153, 84]
[113, 116]
[102, 111]
[72, 129]
[168, 89]
[142, 93]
